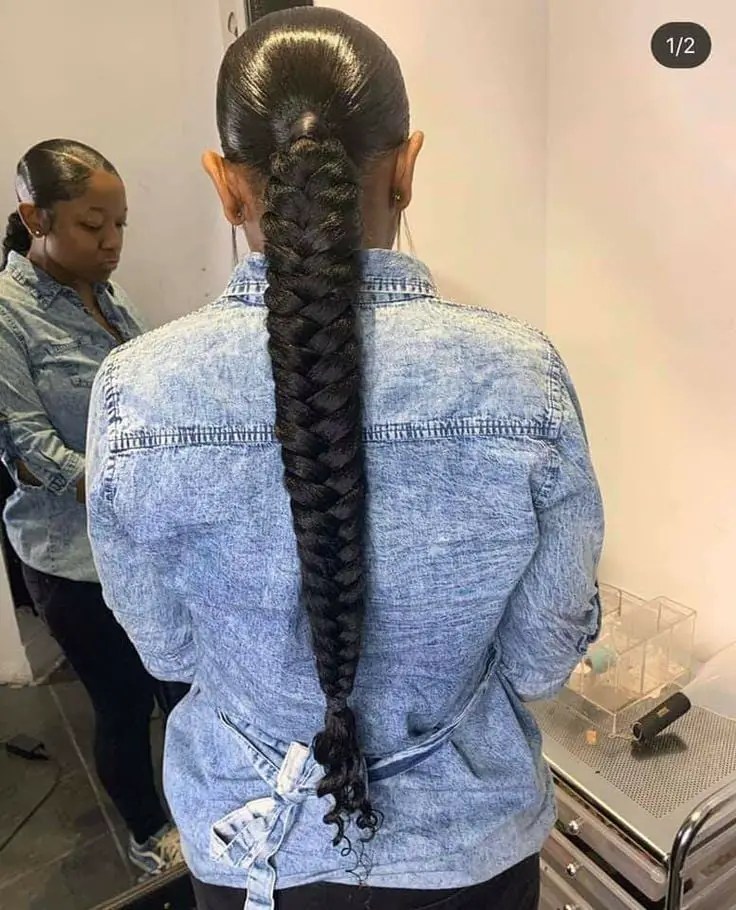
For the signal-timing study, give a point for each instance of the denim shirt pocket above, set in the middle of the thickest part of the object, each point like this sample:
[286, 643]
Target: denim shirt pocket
[69, 365]
[59, 357]
[54, 350]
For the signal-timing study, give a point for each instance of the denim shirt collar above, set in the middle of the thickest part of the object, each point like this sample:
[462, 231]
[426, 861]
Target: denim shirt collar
[385, 272]
[43, 287]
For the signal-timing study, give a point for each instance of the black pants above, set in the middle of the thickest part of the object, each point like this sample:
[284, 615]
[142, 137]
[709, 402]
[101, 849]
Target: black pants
[516, 889]
[121, 690]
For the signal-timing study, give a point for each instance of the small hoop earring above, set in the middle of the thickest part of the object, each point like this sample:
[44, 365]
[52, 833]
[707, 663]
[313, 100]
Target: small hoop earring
[403, 228]
[234, 245]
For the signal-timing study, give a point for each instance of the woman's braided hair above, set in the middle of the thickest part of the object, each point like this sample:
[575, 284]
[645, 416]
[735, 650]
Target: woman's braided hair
[308, 98]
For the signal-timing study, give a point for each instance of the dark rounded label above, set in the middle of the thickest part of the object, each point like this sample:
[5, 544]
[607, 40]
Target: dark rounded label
[681, 45]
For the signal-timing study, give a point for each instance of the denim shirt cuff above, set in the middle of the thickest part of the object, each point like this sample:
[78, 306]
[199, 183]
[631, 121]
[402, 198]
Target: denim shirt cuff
[592, 630]
[72, 469]
[532, 685]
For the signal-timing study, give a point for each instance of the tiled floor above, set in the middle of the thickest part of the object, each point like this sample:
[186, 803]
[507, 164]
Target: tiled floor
[71, 854]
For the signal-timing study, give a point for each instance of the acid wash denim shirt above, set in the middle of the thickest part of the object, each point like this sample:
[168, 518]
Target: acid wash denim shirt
[484, 532]
[50, 351]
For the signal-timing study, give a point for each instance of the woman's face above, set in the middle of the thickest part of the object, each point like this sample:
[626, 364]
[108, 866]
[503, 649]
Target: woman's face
[85, 236]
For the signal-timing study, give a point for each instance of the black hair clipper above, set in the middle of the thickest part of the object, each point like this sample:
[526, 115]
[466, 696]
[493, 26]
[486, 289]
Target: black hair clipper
[659, 718]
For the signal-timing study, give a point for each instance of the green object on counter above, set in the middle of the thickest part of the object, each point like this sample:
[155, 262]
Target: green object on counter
[601, 659]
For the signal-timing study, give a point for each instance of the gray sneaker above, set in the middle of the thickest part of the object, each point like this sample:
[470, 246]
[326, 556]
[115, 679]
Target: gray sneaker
[160, 852]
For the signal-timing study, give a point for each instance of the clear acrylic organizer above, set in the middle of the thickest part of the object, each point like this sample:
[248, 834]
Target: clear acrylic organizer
[645, 648]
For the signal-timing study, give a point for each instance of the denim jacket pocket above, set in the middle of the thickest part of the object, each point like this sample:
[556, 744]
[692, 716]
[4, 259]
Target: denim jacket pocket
[64, 347]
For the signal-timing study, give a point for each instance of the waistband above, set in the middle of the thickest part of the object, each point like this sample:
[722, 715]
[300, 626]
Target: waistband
[251, 836]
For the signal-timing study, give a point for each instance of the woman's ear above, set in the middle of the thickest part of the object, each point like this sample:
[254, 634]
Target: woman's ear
[405, 163]
[229, 188]
[35, 219]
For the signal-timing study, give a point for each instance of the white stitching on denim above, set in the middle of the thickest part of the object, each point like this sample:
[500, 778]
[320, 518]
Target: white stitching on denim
[264, 434]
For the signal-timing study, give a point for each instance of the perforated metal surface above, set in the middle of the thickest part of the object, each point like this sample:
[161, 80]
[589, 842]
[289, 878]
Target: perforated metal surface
[697, 753]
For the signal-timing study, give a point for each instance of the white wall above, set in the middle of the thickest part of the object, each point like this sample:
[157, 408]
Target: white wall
[14, 665]
[642, 287]
[476, 75]
[137, 81]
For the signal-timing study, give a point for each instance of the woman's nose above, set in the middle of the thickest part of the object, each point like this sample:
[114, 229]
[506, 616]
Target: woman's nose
[112, 239]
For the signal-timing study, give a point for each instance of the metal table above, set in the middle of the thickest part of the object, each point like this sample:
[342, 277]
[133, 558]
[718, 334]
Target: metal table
[671, 806]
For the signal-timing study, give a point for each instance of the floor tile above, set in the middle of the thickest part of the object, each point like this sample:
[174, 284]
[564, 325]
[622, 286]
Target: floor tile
[33, 711]
[78, 881]
[65, 857]
[76, 709]
[68, 820]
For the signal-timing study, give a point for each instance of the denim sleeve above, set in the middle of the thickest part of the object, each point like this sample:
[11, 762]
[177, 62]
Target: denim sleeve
[136, 578]
[26, 433]
[554, 613]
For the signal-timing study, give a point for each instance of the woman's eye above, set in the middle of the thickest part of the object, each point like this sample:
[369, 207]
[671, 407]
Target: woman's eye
[92, 227]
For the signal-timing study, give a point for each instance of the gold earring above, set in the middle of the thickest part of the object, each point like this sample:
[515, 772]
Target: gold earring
[397, 196]
[403, 228]
[234, 245]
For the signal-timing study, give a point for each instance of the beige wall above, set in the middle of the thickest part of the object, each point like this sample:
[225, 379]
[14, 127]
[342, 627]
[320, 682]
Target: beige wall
[476, 74]
[642, 288]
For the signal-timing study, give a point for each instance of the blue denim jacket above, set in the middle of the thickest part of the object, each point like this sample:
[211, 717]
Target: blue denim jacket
[50, 351]
[484, 533]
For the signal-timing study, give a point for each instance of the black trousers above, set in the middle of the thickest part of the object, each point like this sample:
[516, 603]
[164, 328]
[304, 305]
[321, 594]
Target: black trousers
[121, 690]
[516, 889]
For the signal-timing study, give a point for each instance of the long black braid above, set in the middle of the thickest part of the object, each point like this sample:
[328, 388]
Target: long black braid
[312, 232]
[308, 98]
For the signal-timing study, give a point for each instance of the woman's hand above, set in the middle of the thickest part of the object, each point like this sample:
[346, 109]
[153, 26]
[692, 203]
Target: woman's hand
[25, 475]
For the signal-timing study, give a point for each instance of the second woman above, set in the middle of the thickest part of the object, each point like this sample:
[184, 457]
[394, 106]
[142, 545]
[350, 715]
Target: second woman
[60, 316]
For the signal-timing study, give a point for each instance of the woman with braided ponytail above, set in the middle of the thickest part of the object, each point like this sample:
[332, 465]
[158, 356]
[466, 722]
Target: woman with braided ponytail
[360, 520]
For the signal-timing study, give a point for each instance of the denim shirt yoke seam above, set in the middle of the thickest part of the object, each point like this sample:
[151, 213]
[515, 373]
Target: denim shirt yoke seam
[433, 429]
[251, 292]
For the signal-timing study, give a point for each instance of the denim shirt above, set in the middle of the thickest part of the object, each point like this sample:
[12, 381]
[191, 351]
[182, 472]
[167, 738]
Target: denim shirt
[484, 532]
[50, 351]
